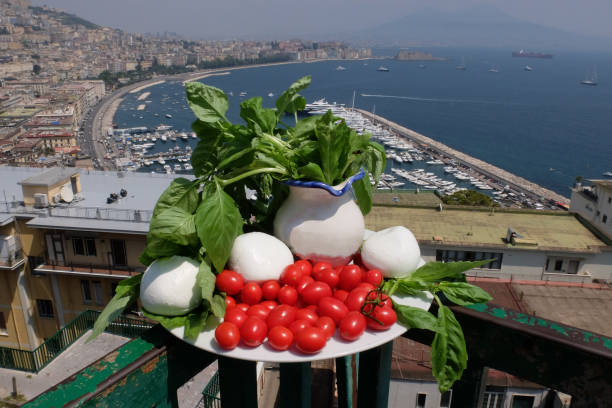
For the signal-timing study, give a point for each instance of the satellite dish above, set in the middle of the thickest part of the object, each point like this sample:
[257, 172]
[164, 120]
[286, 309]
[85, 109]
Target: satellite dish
[66, 194]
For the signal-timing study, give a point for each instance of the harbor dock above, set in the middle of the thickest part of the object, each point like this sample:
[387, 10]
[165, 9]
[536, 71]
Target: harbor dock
[487, 169]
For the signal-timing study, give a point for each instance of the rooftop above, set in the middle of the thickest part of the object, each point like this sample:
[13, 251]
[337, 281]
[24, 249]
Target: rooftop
[50, 177]
[472, 227]
[603, 183]
[406, 198]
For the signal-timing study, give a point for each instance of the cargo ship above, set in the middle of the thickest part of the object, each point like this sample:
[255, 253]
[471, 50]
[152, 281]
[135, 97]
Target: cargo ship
[525, 54]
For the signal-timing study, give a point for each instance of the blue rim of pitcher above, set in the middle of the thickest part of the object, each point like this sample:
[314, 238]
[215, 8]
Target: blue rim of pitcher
[327, 187]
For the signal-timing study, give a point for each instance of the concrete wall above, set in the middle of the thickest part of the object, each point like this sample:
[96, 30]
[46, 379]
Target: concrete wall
[403, 393]
[594, 211]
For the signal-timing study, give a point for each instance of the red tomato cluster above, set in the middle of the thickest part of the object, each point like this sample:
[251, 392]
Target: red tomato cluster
[304, 308]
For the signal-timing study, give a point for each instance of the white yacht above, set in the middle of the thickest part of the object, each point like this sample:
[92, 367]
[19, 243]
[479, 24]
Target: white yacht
[161, 161]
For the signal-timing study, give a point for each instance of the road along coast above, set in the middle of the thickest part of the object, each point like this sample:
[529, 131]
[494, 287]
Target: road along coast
[529, 188]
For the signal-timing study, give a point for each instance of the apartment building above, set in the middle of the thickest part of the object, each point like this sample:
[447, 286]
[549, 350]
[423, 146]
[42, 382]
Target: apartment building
[63, 248]
[594, 204]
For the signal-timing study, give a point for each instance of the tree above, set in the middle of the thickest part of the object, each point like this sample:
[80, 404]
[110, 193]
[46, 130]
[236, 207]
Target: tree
[36, 69]
[469, 197]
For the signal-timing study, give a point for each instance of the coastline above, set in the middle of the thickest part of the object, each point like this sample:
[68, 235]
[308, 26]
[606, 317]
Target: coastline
[477, 164]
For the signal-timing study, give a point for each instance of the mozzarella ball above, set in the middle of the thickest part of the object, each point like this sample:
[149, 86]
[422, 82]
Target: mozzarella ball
[259, 257]
[394, 251]
[169, 286]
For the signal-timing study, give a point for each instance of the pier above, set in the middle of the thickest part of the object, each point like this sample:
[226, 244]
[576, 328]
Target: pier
[487, 169]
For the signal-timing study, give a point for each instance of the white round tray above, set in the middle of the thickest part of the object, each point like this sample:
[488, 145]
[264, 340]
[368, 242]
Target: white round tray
[335, 347]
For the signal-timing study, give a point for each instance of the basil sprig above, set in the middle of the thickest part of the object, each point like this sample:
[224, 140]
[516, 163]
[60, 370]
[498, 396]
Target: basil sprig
[448, 349]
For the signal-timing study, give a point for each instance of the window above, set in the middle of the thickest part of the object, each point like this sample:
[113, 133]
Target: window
[604, 218]
[86, 292]
[444, 255]
[97, 285]
[522, 401]
[84, 246]
[493, 400]
[420, 402]
[118, 252]
[3, 330]
[45, 308]
[609, 200]
[445, 399]
[558, 264]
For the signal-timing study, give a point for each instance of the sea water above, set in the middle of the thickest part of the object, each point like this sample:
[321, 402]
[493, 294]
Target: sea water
[542, 125]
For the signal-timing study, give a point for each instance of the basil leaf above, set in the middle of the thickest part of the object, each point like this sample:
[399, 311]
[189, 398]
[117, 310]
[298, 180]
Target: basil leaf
[290, 101]
[449, 271]
[363, 194]
[207, 102]
[181, 193]
[126, 293]
[413, 317]
[407, 287]
[448, 350]
[254, 114]
[206, 280]
[194, 323]
[464, 294]
[218, 223]
[169, 322]
[175, 225]
[311, 171]
[217, 306]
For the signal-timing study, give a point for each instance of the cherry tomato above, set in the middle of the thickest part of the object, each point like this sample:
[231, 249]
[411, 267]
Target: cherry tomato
[374, 277]
[306, 314]
[227, 335]
[385, 315]
[259, 310]
[340, 294]
[270, 304]
[297, 326]
[280, 338]
[305, 266]
[304, 281]
[243, 306]
[251, 293]
[229, 282]
[351, 327]
[270, 289]
[318, 267]
[355, 298]
[310, 340]
[291, 275]
[332, 307]
[235, 315]
[282, 315]
[330, 277]
[287, 295]
[366, 285]
[315, 291]
[326, 324]
[253, 331]
[312, 307]
[229, 302]
[350, 276]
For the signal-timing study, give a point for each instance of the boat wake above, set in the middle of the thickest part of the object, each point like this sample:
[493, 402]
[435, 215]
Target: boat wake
[434, 100]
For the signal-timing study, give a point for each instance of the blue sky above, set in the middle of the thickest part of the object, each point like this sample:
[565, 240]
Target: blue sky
[292, 19]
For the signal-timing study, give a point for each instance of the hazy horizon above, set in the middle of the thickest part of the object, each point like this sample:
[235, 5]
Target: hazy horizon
[275, 19]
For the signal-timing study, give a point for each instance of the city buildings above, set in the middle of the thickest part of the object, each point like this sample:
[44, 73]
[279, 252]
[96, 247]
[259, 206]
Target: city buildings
[594, 204]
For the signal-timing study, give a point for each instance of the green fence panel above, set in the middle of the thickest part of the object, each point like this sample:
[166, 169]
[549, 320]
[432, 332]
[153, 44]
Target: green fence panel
[37, 359]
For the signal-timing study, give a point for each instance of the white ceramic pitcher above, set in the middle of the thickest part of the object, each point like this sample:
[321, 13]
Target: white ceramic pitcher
[320, 222]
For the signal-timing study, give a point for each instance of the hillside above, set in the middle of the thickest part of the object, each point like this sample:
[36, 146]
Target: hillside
[64, 18]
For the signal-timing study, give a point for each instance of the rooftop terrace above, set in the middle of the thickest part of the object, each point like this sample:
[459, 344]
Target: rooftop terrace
[479, 227]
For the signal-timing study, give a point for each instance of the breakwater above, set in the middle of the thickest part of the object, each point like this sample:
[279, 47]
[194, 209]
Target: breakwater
[487, 169]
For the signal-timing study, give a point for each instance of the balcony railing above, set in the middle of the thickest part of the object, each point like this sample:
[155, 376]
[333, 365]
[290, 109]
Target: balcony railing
[554, 355]
[117, 271]
[100, 213]
[37, 359]
[13, 261]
